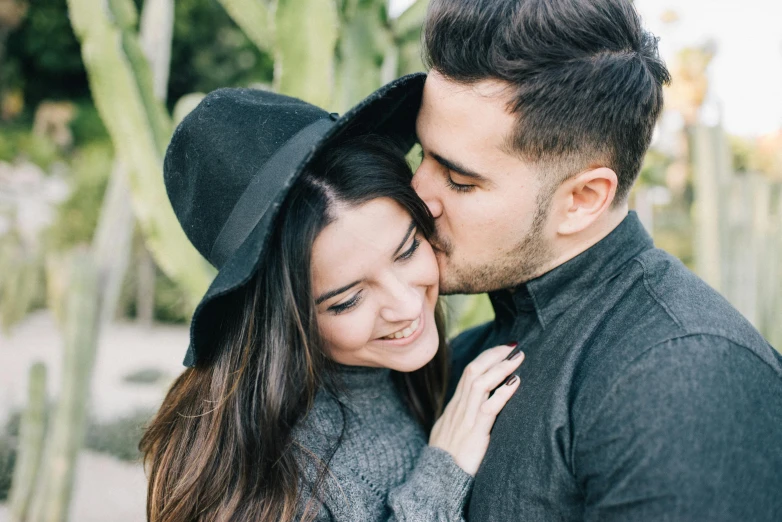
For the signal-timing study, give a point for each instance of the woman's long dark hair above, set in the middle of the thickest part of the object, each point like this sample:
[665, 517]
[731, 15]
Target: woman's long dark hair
[221, 448]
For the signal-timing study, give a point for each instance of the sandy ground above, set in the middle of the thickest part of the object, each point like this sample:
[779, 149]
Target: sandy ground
[106, 489]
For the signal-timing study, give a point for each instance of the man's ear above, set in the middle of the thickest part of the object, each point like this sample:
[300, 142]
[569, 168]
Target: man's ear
[588, 196]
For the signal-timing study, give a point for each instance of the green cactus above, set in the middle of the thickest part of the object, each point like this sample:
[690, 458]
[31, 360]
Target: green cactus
[21, 279]
[31, 438]
[407, 35]
[256, 20]
[66, 433]
[304, 49]
[364, 41]
[333, 52]
[122, 88]
[112, 240]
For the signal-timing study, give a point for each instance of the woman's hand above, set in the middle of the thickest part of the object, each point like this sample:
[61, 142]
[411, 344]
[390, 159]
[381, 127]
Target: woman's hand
[463, 429]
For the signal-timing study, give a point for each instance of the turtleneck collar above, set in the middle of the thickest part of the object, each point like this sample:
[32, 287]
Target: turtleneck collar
[362, 378]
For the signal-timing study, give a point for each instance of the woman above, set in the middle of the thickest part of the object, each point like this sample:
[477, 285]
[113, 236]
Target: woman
[317, 365]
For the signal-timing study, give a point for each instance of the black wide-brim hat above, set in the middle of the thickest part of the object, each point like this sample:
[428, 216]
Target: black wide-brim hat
[231, 163]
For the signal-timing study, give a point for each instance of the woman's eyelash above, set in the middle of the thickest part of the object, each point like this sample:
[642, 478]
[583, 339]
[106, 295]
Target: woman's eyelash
[347, 305]
[410, 251]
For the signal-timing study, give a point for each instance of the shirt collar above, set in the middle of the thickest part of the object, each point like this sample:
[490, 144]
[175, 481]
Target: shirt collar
[555, 291]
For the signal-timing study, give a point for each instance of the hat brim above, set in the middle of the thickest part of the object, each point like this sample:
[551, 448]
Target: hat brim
[390, 111]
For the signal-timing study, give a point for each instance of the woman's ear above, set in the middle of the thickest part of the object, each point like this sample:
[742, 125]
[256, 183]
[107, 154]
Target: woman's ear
[588, 196]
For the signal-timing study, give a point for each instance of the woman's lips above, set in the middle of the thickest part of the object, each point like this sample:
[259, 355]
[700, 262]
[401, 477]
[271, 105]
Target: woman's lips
[419, 324]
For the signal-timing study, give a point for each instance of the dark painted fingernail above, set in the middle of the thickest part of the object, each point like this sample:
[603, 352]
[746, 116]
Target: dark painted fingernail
[511, 380]
[516, 355]
[512, 345]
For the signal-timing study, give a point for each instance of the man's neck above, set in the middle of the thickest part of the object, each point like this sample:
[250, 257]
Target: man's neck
[573, 246]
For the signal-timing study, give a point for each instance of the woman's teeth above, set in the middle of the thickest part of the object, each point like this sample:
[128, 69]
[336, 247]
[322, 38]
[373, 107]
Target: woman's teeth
[406, 332]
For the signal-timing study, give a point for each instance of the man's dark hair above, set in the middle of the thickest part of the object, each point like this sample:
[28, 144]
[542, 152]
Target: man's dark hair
[587, 79]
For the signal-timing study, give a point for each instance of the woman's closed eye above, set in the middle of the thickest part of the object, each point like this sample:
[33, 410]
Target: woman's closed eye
[353, 301]
[346, 305]
[407, 254]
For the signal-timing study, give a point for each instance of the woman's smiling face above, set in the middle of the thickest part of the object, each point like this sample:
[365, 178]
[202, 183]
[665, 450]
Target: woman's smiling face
[374, 279]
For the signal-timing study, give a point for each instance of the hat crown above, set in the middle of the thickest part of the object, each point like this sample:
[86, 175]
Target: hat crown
[219, 148]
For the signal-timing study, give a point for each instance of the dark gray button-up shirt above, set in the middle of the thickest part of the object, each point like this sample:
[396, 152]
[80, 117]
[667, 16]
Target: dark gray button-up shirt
[644, 396]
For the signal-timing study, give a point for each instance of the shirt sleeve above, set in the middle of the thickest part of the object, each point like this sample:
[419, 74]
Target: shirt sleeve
[691, 431]
[436, 490]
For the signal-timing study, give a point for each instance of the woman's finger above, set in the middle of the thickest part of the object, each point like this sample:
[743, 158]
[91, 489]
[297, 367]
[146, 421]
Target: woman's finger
[495, 375]
[483, 386]
[493, 406]
[480, 364]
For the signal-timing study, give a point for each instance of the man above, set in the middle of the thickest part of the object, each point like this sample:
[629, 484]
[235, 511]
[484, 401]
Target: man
[644, 395]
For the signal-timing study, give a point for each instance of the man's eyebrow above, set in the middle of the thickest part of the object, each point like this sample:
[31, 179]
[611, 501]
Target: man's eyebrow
[459, 169]
[407, 236]
[332, 293]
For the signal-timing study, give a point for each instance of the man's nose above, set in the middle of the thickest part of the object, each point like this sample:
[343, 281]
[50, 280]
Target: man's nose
[425, 186]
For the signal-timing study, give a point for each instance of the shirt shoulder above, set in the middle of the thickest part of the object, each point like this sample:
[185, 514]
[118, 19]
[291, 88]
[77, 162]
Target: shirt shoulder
[690, 415]
[694, 306]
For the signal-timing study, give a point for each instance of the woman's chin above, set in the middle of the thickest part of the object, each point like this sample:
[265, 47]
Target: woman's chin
[418, 354]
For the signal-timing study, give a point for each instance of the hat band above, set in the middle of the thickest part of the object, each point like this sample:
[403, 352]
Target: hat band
[263, 189]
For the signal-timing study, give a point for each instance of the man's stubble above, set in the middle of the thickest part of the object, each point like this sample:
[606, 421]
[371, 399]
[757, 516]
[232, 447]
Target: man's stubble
[516, 265]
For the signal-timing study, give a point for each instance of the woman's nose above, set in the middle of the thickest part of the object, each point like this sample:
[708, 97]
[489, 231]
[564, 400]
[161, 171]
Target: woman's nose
[403, 302]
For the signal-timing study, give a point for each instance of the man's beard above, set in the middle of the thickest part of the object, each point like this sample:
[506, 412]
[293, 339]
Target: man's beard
[517, 265]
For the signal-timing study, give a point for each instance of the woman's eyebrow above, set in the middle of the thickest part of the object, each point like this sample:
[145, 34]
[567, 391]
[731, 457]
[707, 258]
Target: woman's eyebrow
[407, 236]
[332, 293]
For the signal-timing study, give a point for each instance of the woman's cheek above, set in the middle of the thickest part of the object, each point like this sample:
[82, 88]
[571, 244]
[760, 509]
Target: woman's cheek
[427, 265]
[346, 334]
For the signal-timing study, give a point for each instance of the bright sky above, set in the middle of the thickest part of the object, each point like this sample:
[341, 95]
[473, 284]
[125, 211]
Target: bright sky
[746, 73]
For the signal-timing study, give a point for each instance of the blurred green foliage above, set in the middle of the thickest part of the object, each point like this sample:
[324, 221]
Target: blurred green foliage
[90, 166]
[145, 376]
[209, 51]
[43, 58]
[17, 142]
[654, 167]
[9, 435]
[170, 302]
[87, 126]
[118, 437]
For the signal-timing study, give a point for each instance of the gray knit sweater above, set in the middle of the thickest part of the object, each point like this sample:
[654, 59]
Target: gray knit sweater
[382, 468]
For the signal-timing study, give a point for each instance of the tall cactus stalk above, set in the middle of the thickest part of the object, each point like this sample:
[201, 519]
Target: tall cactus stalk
[66, 434]
[304, 49]
[155, 34]
[407, 35]
[122, 88]
[364, 41]
[31, 438]
[255, 18]
[332, 53]
[112, 241]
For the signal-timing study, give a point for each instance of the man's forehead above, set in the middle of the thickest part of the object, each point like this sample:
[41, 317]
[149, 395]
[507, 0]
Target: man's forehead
[457, 118]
